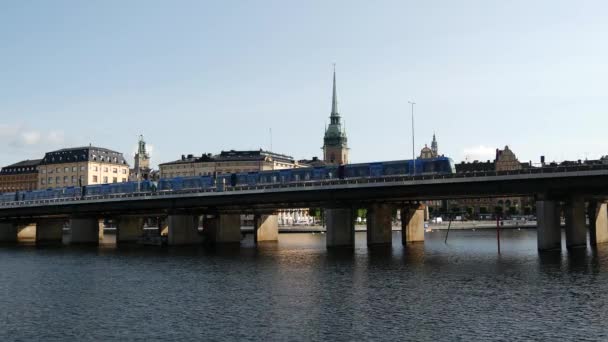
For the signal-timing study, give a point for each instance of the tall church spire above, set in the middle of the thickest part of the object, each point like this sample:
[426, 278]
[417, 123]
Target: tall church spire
[434, 146]
[335, 148]
[334, 101]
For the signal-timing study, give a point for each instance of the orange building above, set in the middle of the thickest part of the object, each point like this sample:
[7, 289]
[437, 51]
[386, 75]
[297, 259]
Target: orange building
[20, 176]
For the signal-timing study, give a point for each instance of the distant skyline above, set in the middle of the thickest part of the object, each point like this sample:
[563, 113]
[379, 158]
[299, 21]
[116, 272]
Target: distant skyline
[199, 77]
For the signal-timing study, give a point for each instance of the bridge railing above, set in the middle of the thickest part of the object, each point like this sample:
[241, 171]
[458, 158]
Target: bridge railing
[310, 183]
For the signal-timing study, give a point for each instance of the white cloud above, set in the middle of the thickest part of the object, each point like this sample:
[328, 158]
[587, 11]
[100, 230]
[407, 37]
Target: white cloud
[480, 153]
[30, 137]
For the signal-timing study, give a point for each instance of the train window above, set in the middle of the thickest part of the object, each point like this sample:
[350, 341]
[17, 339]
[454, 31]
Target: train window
[274, 179]
[307, 176]
[296, 177]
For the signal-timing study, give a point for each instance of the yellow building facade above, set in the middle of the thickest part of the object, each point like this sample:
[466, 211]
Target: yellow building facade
[82, 166]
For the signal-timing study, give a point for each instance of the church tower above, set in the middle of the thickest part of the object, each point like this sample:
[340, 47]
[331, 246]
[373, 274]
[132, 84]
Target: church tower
[434, 147]
[141, 169]
[335, 148]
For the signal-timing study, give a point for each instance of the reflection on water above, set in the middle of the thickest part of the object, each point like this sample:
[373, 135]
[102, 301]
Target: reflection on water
[297, 290]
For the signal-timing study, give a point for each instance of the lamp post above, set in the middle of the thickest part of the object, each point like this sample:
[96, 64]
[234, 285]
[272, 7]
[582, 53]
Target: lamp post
[413, 141]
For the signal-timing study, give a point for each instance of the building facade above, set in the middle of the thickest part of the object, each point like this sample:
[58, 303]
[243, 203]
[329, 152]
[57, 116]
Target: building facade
[505, 160]
[21, 176]
[335, 143]
[82, 166]
[227, 162]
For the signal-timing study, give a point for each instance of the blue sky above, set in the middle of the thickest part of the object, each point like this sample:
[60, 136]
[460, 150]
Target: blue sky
[197, 76]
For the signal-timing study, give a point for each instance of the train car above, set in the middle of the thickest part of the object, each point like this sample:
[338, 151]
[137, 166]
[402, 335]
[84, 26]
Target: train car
[97, 190]
[302, 174]
[8, 197]
[42, 194]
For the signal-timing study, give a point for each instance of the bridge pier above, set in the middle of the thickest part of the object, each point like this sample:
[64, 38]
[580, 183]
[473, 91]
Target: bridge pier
[86, 230]
[598, 223]
[576, 228]
[412, 224]
[340, 223]
[129, 229]
[8, 232]
[379, 225]
[549, 233]
[265, 228]
[49, 231]
[183, 230]
[223, 228]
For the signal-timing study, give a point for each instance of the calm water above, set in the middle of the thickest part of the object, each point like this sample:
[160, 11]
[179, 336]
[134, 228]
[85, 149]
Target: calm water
[296, 290]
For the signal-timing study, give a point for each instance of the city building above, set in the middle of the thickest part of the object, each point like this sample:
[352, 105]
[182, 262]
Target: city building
[428, 153]
[227, 162]
[82, 166]
[21, 176]
[141, 164]
[505, 160]
[335, 147]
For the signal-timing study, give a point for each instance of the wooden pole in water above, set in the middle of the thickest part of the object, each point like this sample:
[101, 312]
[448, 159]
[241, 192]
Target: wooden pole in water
[498, 232]
[448, 233]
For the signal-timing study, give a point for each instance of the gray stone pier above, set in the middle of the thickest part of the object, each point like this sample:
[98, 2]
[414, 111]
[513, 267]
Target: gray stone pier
[549, 233]
[129, 229]
[49, 231]
[183, 230]
[265, 228]
[340, 231]
[598, 223]
[576, 228]
[8, 232]
[379, 225]
[223, 228]
[86, 230]
[412, 223]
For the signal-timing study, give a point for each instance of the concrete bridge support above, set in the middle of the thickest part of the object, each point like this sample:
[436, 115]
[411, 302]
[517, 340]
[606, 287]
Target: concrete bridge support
[549, 233]
[8, 232]
[183, 230]
[223, 228]
[49, 231]
[265, 228]
[129, 229]
[340, 227]
[576, 228]
[598, 223]
[86, 230]
[412, 224]
[379, 225]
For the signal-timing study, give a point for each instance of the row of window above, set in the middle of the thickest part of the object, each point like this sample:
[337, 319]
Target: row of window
[82, 168]
[66, 180]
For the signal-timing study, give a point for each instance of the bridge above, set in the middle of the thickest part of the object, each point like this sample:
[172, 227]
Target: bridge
[579, 191]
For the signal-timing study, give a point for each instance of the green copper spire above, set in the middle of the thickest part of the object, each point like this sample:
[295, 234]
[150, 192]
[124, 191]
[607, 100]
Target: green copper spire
[334, 101]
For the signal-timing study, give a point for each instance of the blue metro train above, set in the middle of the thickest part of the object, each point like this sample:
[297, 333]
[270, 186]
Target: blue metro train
[440, 165]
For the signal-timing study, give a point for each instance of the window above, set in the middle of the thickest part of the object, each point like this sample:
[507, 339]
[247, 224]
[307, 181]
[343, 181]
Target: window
[114, 180]
[94, 179]
[124, 180]
[43, 182]
[114, 170]
[95, 168]
[124, 171]
[73, 179]
[82, 168]
[66, 169]
[57, 170]
[50, 179]
[57, 180]
[105, 179]
[74, 168]
[44, 171]
[105, 169]
[65, 179]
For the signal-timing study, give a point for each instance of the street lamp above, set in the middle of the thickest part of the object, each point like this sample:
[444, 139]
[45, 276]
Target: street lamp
[413, 141]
